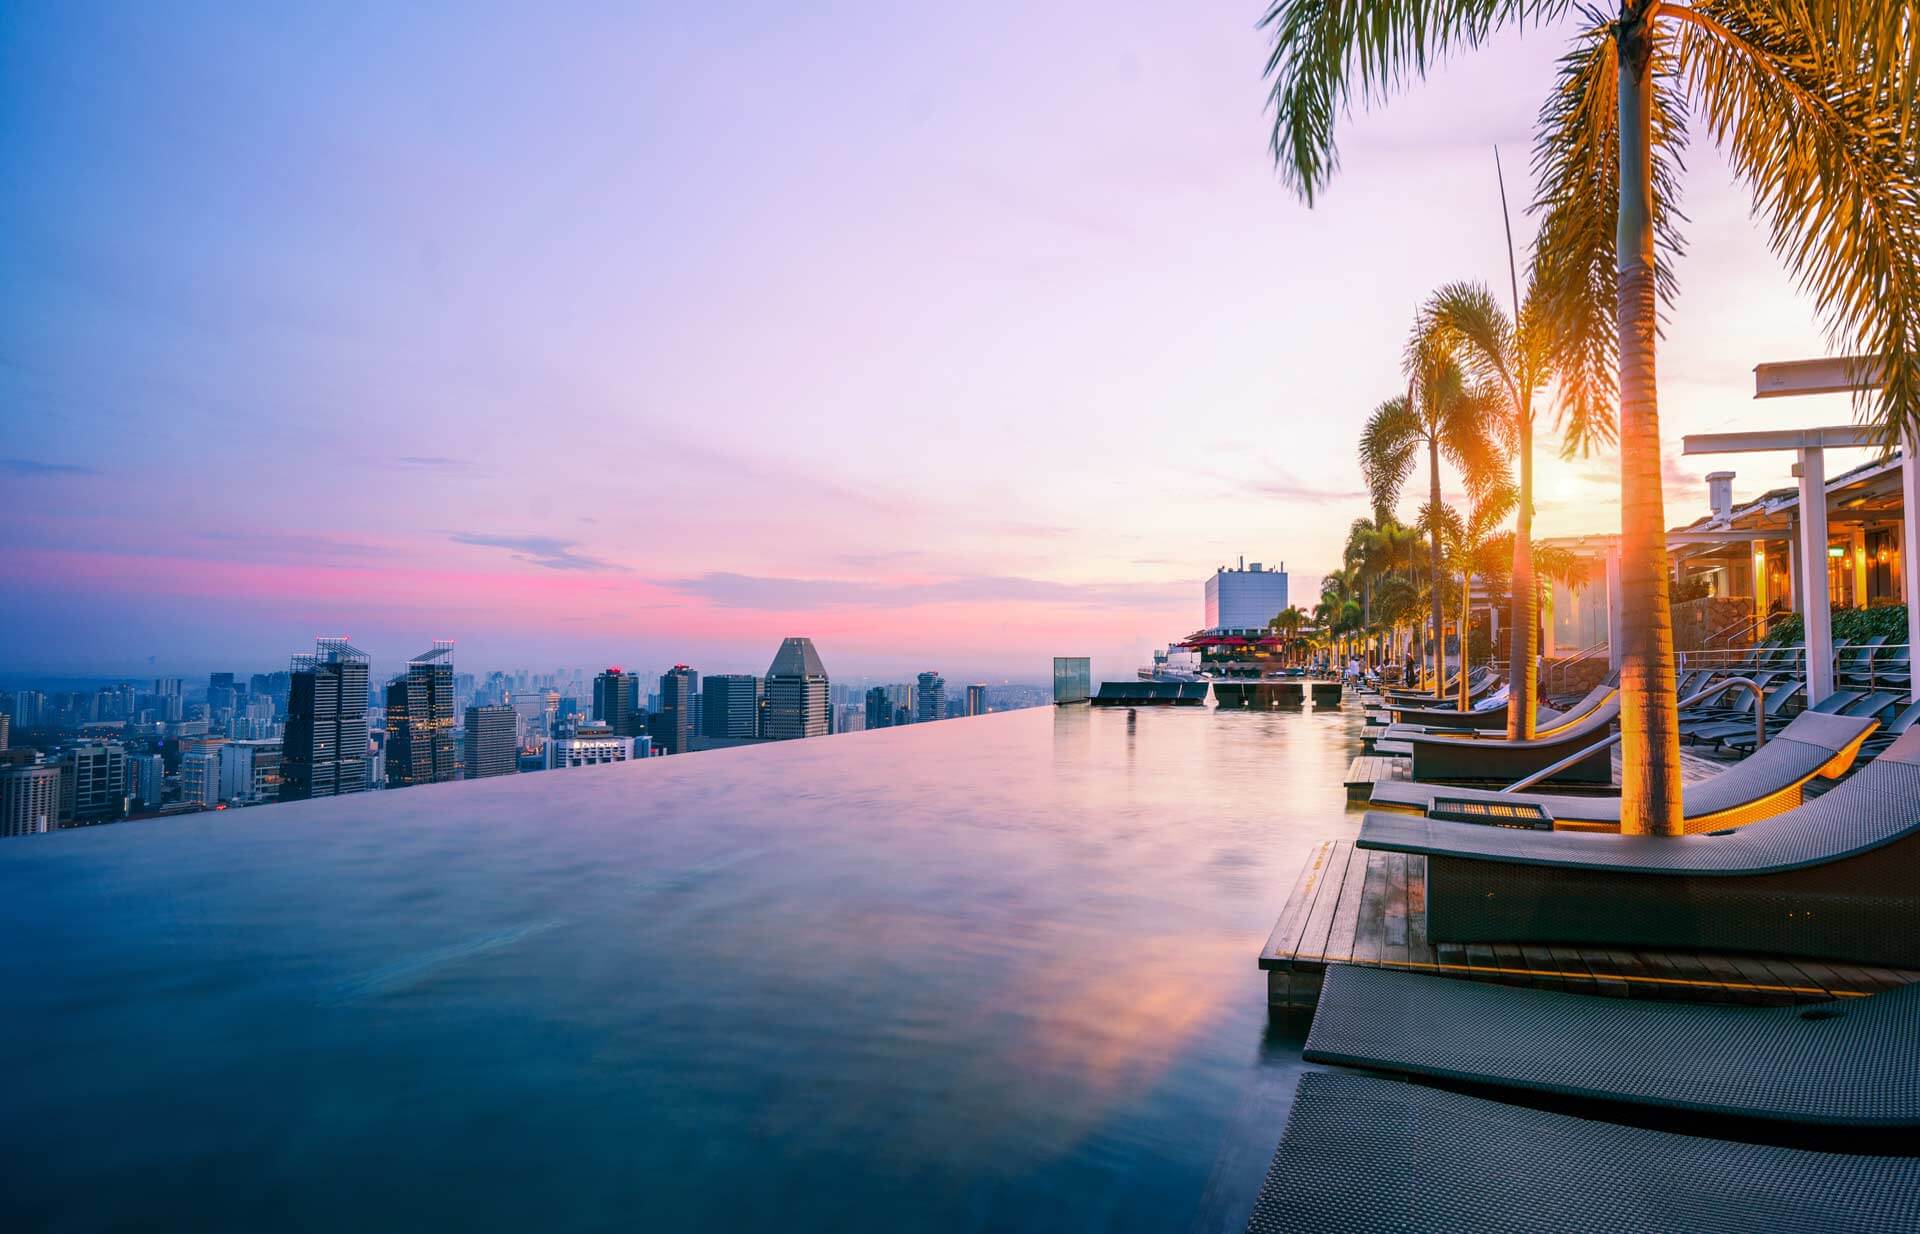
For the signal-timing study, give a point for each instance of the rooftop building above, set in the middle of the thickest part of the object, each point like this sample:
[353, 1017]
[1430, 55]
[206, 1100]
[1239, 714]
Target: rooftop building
[797, 697]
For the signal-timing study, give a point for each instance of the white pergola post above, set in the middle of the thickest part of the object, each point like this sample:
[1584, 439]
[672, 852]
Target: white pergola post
[1614, 636]
[1816, 614]
[1909, 545]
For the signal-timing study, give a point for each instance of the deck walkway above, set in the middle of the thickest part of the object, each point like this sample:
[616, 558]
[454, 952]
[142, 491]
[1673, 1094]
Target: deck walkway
[1351, 906]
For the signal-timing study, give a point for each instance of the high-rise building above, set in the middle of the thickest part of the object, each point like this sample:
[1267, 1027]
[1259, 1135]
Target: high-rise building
[200, 777]
[93, 782]
[420, 720]
[977, 699]
[146, 779]
[797, 692]
[325, 750]
[29, 799]
[590, 745]
[6, 723]
[250, 771]
[933, 697]
[492, 747]
[1245, 597]
[905, 704]
[616, 702]
[731, 703]
[674, 733]
[879, 708]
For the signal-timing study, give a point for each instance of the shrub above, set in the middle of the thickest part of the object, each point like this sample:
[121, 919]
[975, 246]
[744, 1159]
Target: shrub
[1851, 624]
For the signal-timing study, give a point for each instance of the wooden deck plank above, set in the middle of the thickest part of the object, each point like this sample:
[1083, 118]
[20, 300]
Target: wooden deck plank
[1396, 905]
[1346, 913]
[1419, 949]
[1370, 940]
[1313, 939]
[1285, 940]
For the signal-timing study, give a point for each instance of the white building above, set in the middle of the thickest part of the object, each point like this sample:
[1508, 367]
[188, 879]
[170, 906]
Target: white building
[200, 777]
[591, 744]
[147, 776]
[1246, 597]
[250, 771]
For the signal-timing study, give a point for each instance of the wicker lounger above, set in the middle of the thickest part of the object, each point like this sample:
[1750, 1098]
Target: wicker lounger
[1487, 758]
[1838, 877]
[1853, 1063]
[1767, 783]
[1364, 1155]
[1547, 721]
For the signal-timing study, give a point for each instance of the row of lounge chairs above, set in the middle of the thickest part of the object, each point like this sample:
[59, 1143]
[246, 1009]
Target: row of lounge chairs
[1869, 662]
[1495, 1108]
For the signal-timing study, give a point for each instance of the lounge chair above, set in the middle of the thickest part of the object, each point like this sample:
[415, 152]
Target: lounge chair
[1741, 723]
[1769, 782]
[1546, 719]
[1363, 1154]
[1851, 1063]
[1874, 706]
[1837, 877]
[1856, 659]
[1464, 757]
[1891, 731]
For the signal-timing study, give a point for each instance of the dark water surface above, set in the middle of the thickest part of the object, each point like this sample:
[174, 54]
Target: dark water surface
[992, 974]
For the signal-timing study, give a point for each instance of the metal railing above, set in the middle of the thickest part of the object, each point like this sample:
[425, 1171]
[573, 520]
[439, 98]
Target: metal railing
[1880, 667]
[1718, 687]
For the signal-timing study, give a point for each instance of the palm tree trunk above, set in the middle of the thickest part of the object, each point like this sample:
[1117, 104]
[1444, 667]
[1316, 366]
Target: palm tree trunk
[1523, 657]
[1466, 616]
[1649, 707]
[1433, 560]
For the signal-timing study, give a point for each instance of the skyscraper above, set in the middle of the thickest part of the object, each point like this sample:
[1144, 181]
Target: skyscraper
[93, 781]
[615, 702]
[977, 699]
[674, 734]
[6, 722]
[491, 746]
[420, 720]
[146, 778]
[326, 734]
[933, 697]
[797, 692]
[590, 745]
[200, 777]
[29, 799]
[731, 706]
[879, 708]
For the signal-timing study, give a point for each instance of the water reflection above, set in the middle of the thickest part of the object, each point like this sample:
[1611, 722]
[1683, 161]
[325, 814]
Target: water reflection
[993, 974]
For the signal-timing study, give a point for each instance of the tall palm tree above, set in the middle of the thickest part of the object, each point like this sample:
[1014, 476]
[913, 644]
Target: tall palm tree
[1468, 543]
[1442, 414]
[1515, 358]
[1814, 104]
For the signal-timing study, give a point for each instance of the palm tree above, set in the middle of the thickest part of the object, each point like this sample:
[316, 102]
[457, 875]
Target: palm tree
[1470, 544]
[1814, 104]
[1516, 360]
[1441, 414]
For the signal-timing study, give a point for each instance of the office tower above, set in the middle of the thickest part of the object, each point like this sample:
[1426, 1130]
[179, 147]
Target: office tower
[977, 699]
[933, 697]
[492, 746]
[797, 692]
[420, 720]
[616, 701]
[200, 777]
[590, 745]
[146, 779]
[325, 750]
[29, 799]
[6, 722]
[879, 708]
[250, 771]
[674, 732]
[93, 782]
[730, 704]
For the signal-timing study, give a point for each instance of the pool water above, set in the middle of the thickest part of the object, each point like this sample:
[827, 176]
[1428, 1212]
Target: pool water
[991, 974]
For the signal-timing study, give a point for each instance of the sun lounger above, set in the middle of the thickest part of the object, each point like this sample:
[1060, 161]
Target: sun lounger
[1362, 1155]
[1839, 877]
[1891, 731]
[1740, 724]
[1766, 783]
[1850, 1063]
[1546, 719]
[1462, 757]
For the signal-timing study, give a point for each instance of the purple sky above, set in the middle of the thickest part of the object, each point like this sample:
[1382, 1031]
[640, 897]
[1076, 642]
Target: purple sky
[954, 337]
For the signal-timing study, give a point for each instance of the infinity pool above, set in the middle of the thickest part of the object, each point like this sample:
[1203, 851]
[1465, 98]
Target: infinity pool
[992, 974]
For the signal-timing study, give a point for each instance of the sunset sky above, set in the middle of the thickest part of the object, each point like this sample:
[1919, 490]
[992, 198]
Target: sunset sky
[950, 336]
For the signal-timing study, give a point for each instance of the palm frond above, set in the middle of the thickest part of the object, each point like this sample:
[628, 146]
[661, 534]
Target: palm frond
[1389, 445]
[1483, 334]
[1576, 165]
[1327, 53]
[1817, 136]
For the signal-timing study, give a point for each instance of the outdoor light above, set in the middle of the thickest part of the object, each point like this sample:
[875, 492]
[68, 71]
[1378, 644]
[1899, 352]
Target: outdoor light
[1835, 551]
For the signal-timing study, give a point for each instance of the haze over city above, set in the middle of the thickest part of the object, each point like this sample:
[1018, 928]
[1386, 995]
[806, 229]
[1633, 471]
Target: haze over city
[943, 337]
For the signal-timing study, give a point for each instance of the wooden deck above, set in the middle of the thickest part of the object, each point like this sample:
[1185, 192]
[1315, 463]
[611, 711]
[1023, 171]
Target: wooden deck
[1351, 906]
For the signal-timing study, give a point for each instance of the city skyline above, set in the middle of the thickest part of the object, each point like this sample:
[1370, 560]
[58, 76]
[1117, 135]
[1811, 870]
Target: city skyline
[344, 270]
